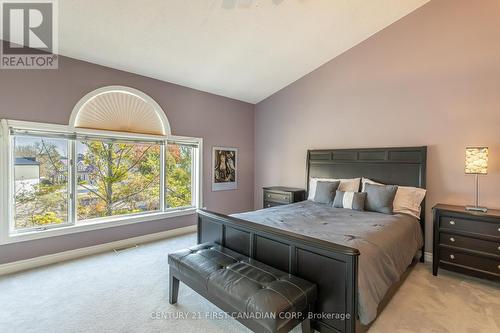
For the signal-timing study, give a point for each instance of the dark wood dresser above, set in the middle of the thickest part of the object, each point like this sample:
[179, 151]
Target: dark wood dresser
[467, 242]
[280, 195]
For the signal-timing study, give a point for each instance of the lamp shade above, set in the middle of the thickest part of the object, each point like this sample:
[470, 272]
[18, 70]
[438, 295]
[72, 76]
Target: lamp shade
[476, 160]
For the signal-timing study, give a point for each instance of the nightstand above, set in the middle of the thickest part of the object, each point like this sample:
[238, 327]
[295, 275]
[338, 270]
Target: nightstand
[466, 242]
[280, 195]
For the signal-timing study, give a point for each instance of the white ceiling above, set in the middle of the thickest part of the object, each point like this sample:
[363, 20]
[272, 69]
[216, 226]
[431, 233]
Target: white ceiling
[244, 49]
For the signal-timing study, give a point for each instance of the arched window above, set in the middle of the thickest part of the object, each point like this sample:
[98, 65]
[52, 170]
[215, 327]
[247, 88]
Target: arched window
[120, 109]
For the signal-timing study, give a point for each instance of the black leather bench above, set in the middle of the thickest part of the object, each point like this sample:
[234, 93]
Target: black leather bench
[262, 298]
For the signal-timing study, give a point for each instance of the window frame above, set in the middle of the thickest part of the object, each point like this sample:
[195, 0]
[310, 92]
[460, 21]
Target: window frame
[194, 179]
[9, 235]
[12, 185]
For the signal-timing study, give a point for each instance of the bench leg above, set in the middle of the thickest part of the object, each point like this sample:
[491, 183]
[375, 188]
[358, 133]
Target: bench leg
[306, 325]
[173, 289]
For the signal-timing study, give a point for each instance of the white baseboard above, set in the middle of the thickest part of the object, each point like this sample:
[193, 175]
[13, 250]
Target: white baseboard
[21, 265]
[428, 257]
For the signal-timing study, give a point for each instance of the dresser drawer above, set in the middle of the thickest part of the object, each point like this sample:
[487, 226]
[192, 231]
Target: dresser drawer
[483, 263]
[473, 226]
[469, 243]
[285, 198]
[268, 204]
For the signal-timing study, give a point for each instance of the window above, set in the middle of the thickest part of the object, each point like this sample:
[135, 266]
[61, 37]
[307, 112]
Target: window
[179, 176]
[117, 178]
[61, 179]
[40, 182]
[115, 163]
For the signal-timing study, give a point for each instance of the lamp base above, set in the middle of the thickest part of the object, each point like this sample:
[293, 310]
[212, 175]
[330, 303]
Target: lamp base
[476, 209]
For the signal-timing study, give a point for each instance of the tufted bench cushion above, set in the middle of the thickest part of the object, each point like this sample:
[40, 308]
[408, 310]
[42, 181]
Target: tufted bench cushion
[235, 282]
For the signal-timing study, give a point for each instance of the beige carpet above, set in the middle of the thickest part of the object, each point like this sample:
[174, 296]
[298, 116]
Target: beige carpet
[127, 292]
[448, 303]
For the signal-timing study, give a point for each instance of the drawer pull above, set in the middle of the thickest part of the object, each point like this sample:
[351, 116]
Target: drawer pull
[452, 239]
[498, 229]
[452, 222]
[268, 195]
[498, 248]
[498, 267]
[452, 257]
[285, 198]
[268, 205]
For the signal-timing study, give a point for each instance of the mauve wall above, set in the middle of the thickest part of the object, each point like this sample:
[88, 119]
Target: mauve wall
[432, 78]
[50, 95]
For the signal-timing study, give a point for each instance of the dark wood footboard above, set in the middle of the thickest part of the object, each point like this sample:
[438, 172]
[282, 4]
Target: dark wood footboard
[332, 267]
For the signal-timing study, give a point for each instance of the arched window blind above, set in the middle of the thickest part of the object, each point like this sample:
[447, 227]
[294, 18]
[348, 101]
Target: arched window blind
[120, 109]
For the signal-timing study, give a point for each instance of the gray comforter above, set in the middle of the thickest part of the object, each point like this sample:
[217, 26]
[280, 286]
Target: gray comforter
[387, 243]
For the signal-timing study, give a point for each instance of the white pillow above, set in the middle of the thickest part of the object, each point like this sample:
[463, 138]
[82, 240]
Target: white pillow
[407, 199]
[346, 185]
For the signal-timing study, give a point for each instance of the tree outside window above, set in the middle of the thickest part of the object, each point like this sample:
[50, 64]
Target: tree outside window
[179, 175]
[117, 178]
[41, 181]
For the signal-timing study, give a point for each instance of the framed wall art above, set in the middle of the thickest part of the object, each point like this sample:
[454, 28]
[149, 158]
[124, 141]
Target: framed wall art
[224, 168]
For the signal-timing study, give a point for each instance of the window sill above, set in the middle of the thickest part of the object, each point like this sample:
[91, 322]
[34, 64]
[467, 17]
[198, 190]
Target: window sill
[94, 225]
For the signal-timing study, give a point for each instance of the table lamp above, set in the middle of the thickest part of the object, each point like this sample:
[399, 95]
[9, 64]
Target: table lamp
[476, 163]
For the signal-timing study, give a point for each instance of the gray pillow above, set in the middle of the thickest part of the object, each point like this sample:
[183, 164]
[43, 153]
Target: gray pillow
[380, 198]
[350, 200]
[325, 191]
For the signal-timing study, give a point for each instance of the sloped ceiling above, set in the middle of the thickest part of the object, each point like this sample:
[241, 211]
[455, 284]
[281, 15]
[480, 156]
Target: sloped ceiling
[243, 49]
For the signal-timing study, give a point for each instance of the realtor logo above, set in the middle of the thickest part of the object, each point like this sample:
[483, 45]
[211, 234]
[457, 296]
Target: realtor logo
[29, 34]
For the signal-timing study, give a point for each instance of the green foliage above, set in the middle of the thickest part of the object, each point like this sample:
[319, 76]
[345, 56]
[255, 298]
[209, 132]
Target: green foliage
[45, 202]
[124, 179]
[40, 205]
[47, 218]
[178, 173]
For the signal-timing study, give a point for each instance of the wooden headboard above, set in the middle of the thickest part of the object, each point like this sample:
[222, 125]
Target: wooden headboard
[404, 166]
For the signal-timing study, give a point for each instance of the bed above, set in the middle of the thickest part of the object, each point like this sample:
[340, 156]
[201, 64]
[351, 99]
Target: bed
[323, 244]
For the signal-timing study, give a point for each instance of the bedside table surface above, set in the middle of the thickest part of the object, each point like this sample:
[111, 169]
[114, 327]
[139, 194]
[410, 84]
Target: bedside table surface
[462, 210]
[283, 189]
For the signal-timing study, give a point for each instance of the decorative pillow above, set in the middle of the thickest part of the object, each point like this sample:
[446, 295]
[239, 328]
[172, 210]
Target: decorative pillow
[380, 198]
[408, 199]
[365, 181]
[346, 185]
[350, 200]
[325, 191]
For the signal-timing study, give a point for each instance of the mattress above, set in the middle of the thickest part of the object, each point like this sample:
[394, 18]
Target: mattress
[387, 243]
